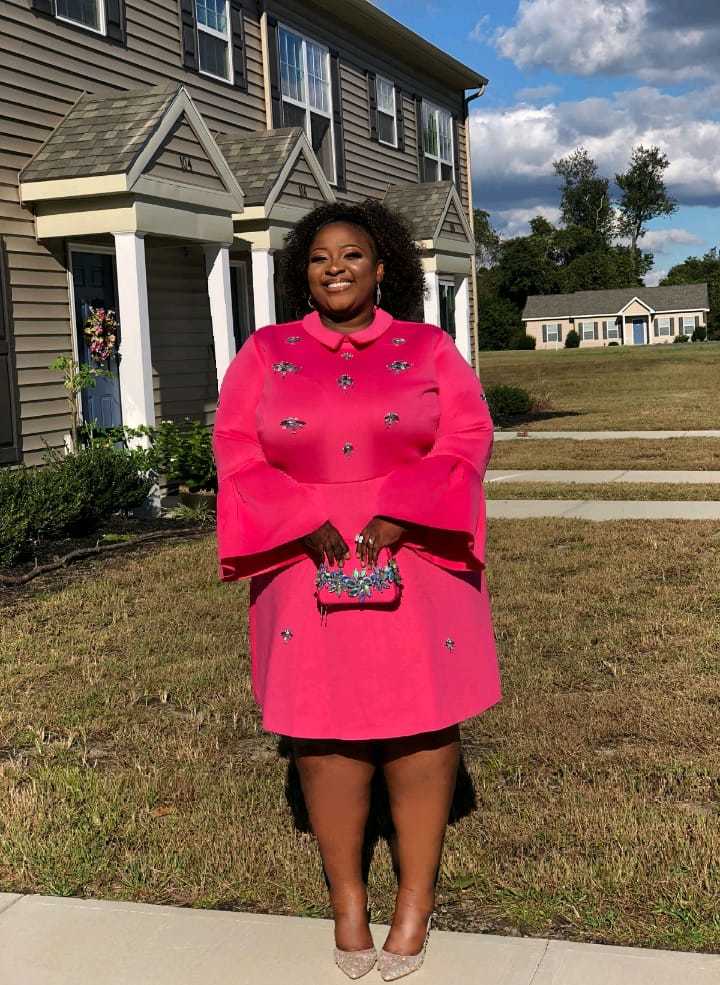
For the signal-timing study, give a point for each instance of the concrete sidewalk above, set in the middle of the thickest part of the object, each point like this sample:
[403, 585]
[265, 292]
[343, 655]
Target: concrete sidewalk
[595, 509]
[602, 435]
[602, 476]
[47, 940]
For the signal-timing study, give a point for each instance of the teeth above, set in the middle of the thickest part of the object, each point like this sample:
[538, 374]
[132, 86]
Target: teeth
[338, 285]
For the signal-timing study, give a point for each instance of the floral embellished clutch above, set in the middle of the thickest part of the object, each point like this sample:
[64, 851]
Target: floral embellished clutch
[380, 585]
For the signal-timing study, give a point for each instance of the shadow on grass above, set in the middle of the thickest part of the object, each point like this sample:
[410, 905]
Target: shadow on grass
[380, 825]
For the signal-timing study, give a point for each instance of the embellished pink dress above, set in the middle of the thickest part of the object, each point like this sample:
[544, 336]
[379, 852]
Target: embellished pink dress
[313, 425]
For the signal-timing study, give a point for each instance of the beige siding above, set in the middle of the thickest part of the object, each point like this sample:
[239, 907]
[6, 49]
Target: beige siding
[183, 147]
[636, 308]
[301, 186]
[452, 227]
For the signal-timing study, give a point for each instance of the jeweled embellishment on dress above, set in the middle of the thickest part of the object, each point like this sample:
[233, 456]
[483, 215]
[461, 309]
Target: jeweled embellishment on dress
[398, 341]
[346, 355]
[398, 365]
[285, 367]
[361, 583]
[292, 423]
[292, 339]
[347, 448]
[391, 418]
[449, 644]
[345, 381]
[287, 635]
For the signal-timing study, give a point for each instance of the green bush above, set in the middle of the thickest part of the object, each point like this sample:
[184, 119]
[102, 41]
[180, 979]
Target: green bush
[680, 339]
[700, 334]
[612, 343]
[508, 401]
[572, 339]
[69, 496]
[527, 342]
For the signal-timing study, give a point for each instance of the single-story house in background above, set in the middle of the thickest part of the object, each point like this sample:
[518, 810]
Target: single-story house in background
[628, 316]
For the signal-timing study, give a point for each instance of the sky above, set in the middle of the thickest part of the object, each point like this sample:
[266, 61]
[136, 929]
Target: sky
[603, 74]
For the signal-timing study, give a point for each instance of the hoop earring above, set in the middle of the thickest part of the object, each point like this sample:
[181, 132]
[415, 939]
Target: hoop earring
[310, 301]
[378, 295]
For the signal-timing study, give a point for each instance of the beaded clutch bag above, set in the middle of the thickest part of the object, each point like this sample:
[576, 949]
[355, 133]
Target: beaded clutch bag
[380, 585]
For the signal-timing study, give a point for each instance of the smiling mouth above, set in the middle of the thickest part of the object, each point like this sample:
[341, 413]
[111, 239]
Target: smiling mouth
[337, 286]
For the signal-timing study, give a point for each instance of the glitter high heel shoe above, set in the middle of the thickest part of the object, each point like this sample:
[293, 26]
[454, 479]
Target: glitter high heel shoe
[355, 964]
[392, 966]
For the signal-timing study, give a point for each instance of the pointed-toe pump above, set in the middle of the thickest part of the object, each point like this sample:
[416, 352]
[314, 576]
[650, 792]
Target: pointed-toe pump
[392, 966]
[355, 964]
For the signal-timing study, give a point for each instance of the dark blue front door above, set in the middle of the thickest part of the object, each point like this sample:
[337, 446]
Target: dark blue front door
[94, 282]
[639, 332]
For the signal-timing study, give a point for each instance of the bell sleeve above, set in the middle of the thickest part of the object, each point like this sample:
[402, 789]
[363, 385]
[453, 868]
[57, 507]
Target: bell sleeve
[261, 510]
[441, 495]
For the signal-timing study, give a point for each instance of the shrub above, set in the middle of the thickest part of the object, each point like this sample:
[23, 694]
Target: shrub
[612, 343]
[508, 401]
[680, 339]
[527, 342]
[572, 339]
[700, 334]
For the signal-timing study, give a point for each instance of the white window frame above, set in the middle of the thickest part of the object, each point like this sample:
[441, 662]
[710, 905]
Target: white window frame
[102, 30]
[684, 327]
[664, 330]
[226, 37]
[305, 80]
[378, 80]
[431, 109]
[552, 327]
[613, 329]
[589, 326]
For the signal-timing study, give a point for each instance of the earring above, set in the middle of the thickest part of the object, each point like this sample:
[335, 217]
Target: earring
[378, 295]
[310, 301]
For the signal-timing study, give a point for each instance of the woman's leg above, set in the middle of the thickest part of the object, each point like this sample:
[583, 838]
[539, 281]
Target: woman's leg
[420, 771]
[335, 776]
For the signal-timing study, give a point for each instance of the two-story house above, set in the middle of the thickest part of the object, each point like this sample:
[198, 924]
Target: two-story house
[154, 154]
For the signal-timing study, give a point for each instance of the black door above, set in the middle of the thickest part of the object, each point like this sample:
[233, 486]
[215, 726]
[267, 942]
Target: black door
[9, 439]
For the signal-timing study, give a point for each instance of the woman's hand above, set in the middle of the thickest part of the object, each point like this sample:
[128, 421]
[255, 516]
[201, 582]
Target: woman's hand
[326, 542]
[376, 534]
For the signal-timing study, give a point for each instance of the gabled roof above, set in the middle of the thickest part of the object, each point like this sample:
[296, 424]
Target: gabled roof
[680, 297]
[424, 206]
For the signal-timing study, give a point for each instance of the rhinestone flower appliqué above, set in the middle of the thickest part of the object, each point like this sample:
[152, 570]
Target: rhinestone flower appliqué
[391, 418]
[283, 368]
[292, 339]
[344, 381]
[398, 365]
[287, 635]
[398, 341]
[449, 644]
[347, 448]
[292, 423]
[346, 355]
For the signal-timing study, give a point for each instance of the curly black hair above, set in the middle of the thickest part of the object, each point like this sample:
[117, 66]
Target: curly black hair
[403, 285]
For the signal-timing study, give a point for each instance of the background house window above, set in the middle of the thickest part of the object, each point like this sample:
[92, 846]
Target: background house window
[447, 306]
[613, 330]
[663, 326]
[552, 333]
[587, 330]
[213, 25]
[387, 119]
[87, 13]
[437, 143]
[306, 94]
[687, 324]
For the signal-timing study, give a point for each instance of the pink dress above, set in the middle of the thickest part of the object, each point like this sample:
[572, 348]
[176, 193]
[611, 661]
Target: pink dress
[313, 425]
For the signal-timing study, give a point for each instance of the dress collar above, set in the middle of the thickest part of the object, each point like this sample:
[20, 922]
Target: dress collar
[332, 338]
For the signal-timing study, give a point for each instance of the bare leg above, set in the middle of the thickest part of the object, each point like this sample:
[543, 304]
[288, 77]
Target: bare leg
[420, 772]
[335, 776]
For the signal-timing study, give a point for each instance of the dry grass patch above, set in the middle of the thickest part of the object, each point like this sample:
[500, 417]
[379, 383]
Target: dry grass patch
[133, 767]
[649, 387]
[611, 490]
[623, 453]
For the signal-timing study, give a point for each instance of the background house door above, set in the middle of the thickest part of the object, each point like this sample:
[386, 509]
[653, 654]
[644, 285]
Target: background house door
[639, 332]
[94, 285]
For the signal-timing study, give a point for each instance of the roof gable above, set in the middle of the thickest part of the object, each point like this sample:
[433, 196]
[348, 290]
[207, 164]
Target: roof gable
[183, 158]
[432, 210]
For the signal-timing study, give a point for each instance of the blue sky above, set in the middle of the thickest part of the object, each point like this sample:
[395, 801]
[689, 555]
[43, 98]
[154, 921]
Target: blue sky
[605, 74]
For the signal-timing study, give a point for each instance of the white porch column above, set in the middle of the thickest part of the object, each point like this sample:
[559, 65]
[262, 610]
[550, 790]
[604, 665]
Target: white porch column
[135, 368]
[263, 278]
[217, 264]
[463, 326]
[432, 301]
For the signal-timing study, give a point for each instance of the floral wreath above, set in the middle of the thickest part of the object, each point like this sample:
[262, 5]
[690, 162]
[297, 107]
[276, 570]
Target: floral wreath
[101, 332]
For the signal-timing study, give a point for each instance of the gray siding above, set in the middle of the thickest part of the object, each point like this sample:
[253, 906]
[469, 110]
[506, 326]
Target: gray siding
[301, 186]
[184, 142]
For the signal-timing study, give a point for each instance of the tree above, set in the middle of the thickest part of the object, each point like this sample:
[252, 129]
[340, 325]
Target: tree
[499, 324]
[487, 239]
[585, 200]
[696, 270]
[644, 196]
[527, 265]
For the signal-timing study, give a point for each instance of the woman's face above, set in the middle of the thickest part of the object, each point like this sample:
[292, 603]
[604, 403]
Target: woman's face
[342, 270]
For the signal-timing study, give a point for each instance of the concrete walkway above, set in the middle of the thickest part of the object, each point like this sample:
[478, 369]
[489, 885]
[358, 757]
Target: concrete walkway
[47, 940]
[602, 435]
[595, 509]
[602, 476]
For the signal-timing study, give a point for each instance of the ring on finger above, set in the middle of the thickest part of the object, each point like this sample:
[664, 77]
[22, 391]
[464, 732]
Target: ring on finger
[358, 538]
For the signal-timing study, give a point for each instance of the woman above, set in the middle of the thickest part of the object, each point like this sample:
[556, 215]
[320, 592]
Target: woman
[353, 427]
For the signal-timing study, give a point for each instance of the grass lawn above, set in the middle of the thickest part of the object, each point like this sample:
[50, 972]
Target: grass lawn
[648, 388]
[132, 765]
[625, 453]
[611, 490]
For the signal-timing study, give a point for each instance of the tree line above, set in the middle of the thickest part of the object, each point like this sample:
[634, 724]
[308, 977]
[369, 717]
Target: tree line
[594, 247]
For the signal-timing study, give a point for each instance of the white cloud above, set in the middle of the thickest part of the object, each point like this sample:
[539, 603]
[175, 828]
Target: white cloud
[538, 92]
[480, 31]
[654, 277]
[663, 240]
[516, 222]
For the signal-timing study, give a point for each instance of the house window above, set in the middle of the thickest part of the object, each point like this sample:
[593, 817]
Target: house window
[306, 94]
[552, 332]
[243, 321]
[447, 306]
[437, 143]
[213, 26]
[687, 323]
[387, 119]
[663, 326]
[86, 13]
[587, 330]
[613, 330]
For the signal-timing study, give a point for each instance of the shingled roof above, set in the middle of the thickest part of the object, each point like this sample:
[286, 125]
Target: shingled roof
[257, 158]
[680, 297]
[422, 205]
[101, 135]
